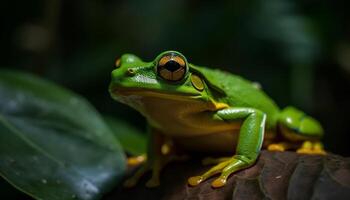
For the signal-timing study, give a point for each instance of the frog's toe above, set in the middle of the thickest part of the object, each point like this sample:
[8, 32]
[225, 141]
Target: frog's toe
[233, 166]
[195, 180]
[219, 182]
[226, 168]
[276, 147]
[305, 148]
[318, 149]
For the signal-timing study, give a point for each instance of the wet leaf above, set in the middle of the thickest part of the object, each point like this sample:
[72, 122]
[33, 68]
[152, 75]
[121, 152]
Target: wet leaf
[53, 143]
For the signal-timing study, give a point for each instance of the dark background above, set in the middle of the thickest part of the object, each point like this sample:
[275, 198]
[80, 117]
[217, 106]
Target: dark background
[298, 50]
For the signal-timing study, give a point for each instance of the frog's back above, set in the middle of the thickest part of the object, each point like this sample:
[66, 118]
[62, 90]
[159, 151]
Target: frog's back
[239, 92]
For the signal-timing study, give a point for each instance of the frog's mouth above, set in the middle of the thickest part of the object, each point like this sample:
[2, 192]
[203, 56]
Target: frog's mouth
[142, 92]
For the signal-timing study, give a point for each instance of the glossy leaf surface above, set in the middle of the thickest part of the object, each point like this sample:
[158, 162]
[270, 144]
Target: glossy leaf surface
[53, 143]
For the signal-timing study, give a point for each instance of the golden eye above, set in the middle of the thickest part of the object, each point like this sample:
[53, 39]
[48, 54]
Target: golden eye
[117, 63]
[171, 67]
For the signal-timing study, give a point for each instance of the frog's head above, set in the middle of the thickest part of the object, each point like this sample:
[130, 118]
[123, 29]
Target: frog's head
[169, 76]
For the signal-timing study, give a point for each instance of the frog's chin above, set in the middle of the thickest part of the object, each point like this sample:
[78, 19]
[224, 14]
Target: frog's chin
[142, 92]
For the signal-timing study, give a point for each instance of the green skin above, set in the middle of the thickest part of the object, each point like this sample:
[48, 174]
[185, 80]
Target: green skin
[219, 102]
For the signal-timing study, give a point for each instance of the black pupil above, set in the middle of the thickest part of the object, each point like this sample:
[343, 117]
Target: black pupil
[172, 66]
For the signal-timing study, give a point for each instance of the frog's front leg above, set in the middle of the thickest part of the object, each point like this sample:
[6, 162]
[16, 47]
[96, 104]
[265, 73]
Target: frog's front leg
[249, 144]
[158, 155]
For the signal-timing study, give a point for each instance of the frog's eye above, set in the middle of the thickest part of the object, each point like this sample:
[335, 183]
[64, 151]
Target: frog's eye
[171, 67]
[117, 63]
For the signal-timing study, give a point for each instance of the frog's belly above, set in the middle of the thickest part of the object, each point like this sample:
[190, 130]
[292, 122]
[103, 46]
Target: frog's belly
[221, 142]
[200, 133]
[186, 120]
[189, 123]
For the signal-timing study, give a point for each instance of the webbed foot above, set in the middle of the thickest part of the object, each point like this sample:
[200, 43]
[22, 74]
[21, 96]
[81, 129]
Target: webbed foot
[226, 168]
[311, 148]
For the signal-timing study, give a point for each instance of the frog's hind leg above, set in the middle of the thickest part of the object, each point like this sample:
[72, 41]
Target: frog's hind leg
[298, 127]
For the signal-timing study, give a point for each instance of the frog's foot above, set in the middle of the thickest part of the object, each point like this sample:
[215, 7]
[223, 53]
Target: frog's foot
[226, 168]
[136, 160]
[312, 148]
[277, 147]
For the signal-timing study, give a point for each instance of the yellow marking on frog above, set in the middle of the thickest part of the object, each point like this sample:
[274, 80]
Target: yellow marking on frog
[219, 106]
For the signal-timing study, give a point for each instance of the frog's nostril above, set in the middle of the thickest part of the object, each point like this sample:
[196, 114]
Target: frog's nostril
[131, 72]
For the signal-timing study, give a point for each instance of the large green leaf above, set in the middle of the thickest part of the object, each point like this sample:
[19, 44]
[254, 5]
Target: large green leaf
[131, 139]
[53, 143]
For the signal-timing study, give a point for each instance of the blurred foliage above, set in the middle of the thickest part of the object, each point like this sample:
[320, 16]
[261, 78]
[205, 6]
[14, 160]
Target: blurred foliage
[298, 50]
[53, 144]
[131, 138]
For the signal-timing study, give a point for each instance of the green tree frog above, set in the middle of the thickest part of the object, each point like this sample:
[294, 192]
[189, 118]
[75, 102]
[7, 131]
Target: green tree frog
[194, 108]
